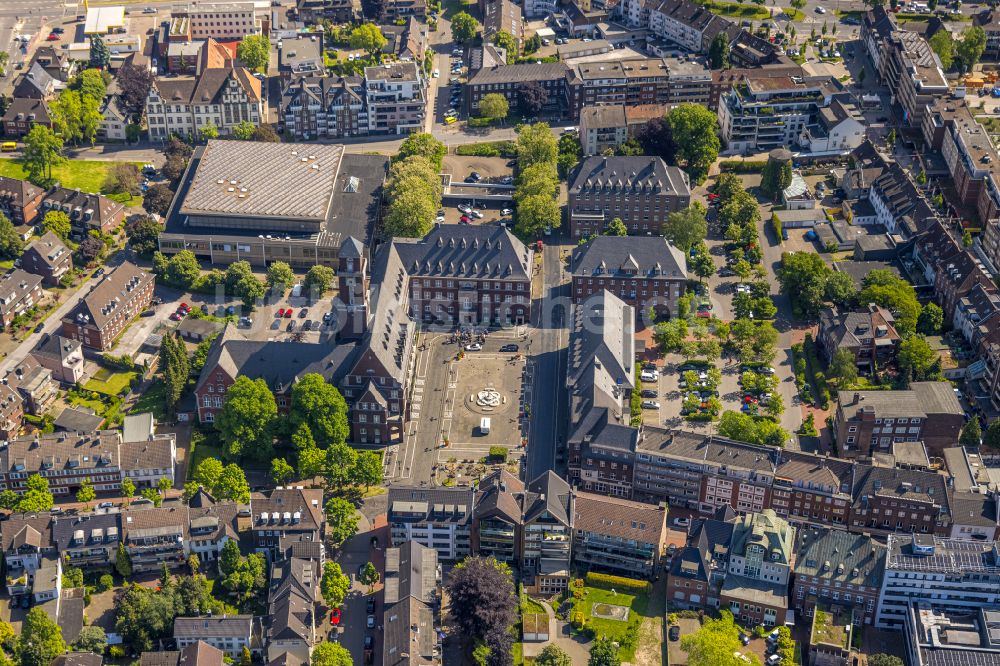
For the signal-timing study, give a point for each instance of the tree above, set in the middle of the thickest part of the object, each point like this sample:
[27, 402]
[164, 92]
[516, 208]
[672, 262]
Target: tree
[255, 52]
[603, 653]
[570, 152]
[246, 421]
[369, 576]
[775, 178]
[694, 133]
[245, 658]
[134, 84]
[209, 130]
[536, 145]
[840, 289]
[367, 469]
[91, 639]
[281, 471]
[230, 557]
[616, 228]
[67, 115]
[319, 279]
[9, 500]
[464, 27]
[744, 428]
[493, 106]
[37, 498]
[152, 496]
[86, 493]
[320, 405]
[123, 564]
[483, 602]
[91, 249]
[718, 51]
[42, 151]
[100, 54]
[931, 319]
[128, 487]
[175, 369]
[884, 288]
[208, 472]
[312, 461]
[72, 577]
[553, 655]
[506, 41]
[340, 461]
[40, 641]
[656, 138]
[369, 38]
[331, 654]
[700, 262]
[685, 228]
[944, 46]
[843, 367]
[535, 213]
[11, 243]
[532, 97]
[341, 520]
[970, 49]
[410, 214]
[972, 434]
[143, 233]
[803, 277]
[232, 485]
[424, 145]
[882, 659]
[991, 437]
[244, 130]
[334, 584]
[266, 134]
[716, 643]
[58, 223]
[279, 276]
[916, 360]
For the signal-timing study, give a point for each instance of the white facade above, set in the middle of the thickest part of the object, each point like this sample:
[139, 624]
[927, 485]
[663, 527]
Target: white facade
[223, 21]
[948, 574]
[845, 136]
[883, 215]
[186, 117]
[451, 541]
[672, 30]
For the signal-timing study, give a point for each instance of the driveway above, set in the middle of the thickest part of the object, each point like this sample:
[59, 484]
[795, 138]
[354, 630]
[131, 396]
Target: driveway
[355, 553]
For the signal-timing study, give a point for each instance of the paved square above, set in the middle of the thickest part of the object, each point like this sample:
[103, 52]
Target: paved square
[483, 385]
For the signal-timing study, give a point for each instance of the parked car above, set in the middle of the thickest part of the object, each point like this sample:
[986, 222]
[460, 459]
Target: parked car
[475, 346]
[335, 617]
[649, 393]
[682, 522]
[476, 214]
[369, 648]
[675, 632]
[370, 622]
[506, 211]
[509, 348]
[649, 375]
[650, 404]
[370, 605]
[106, 505]
[288, 313]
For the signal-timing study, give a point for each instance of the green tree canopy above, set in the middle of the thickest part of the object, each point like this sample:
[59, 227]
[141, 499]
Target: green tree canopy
[255, 52]
[369, 38]
[246, 422]
[535, 213]
[970, 48]
[37, 498]
[616, 228]
[494, 106]
[944, 46]
[100, 54]
[553, 655]
[931, 319]
[972, 433]
[341, 520]
[319, 280]
[281, 471]
[685, 228]
[803, 277]
[694, 129]
[58, 223]
[718, 51]
[11, 243]
[717, 643]
[423, 145]
[334, 584]
[42, 151]
[464, 27]
[536, 144]
[331, 654]
[280, 276]
[318, 404]
[40, 641]
[603, 653]
[884, 288]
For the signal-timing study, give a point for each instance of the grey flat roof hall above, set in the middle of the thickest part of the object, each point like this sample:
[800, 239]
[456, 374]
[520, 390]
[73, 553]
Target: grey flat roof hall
[257, 179]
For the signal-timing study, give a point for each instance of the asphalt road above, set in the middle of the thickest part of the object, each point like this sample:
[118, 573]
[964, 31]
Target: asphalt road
[547, 354]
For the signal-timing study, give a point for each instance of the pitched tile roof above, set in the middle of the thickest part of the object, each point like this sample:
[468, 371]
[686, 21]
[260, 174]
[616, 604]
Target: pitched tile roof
[110, 295]
[619, 518]
[841, 557]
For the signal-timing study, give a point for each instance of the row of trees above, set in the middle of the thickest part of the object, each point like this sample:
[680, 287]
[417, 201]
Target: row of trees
[414, 187]
[963, 53]
[537, 187]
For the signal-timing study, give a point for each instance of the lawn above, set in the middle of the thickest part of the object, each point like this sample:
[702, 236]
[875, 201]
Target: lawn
[613, 629]
[152, 400]
[736, 10]
[204, 444]
[85, 175]
[110, 382]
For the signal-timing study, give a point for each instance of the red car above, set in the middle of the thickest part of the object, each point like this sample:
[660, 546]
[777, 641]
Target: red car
[185, 307]
[704, 314]
[176, 316]
[281, 313]
[465, 219]
[335, 617]
[53, 37]
[288, 313]
[713, 196]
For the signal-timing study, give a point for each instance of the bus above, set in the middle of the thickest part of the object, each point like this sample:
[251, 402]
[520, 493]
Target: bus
[8, 146]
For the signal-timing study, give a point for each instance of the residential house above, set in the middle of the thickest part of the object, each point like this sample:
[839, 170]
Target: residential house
[156, 536]
[227, 633]
[20, 200]
[36, 83]
[696, 571]
[198, 653]
[211, 524]
[19, 291]
[654, 191]
[114, 119]
[223, 97]
[869, 421]
[27, 542]
[62, 356]
[338, 11]
[892, 500]
[11, 413]
[503, 15]
[643, 272]
[48, 257]
[285, 517]
[34, 385]
[974, 515]
[438, 518]
[23, 113]
[952, 575]
[812, 490]
[394, 96]
[301, 55]
[325, 107]
[496, 517]
[87, 212]
[55, 63]
[833, 566]
[508, 80]
[292, 599]
[868, 334]
[618, 535]
[412, 606]
[602, 128]
[109, 307]
[899, 205]
[759, 568]
[546, 538]
[88, 540]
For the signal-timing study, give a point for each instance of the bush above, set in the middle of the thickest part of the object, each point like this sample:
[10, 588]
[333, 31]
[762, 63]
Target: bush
[699, 416]
[619, 583]
[498, 453]
[742, 166]
[123, 362]
[481, 122]
[488, 149]
[105, 583]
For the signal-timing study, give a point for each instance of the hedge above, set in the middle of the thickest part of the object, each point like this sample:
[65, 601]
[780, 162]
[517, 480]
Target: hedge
[498, 452]
[817, 377]
[123, 362]
[742, 166]
[488, 149]
[618, 583]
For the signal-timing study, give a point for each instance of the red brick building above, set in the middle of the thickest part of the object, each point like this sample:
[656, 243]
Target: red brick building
[19, 291]
[110, 306]
[87, 212]
[19, 200]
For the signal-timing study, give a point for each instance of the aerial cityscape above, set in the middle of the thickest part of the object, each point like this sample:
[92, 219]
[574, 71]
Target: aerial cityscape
[500, 332]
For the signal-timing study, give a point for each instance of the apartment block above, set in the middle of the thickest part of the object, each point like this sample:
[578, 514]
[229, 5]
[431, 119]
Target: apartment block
[230, 634]
[62, 357]
[109, 307]
[617, 535]
[394, 94]
[323, 107]
[223, 97]
[19, 291]
[438, 518]
[893, 500]
[508, 81]
[869, 334]
[87, 212]
[287, 518]
[497, 517]
[597, 195]
[224, 21]
[833, 566]
[547, 536]
[602, 128]
[47, 257]
[20, 200]
[867, 422]
[950, 575]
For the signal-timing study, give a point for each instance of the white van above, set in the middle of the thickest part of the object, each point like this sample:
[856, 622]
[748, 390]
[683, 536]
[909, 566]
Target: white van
[484, 425]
